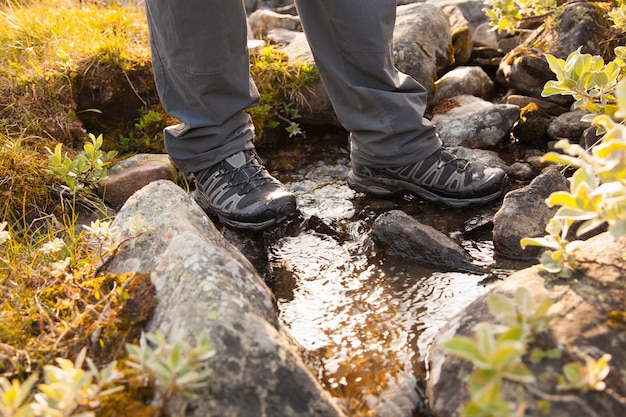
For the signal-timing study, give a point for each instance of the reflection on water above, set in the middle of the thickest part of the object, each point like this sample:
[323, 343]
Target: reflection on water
[369, 320]
[370, 323]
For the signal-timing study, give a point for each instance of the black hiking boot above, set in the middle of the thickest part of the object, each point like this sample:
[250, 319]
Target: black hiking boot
[441, 178]
[242, 194]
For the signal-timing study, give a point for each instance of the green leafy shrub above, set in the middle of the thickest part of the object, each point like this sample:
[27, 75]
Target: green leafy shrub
[618, 15]
[496, 352]
[70, 390]
[88, 168]
[597, 194]
[506, 15]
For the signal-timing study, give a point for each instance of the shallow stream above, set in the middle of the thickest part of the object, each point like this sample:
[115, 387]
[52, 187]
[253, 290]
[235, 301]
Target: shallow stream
[368, 319]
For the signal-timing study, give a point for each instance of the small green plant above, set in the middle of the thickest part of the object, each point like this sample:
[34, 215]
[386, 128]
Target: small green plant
[88, 168]
[597, 194]
[506, 15]
[172, 365]
[127, 142]
[281, 85]
[560, 256]
[521, 311]
[148, 119]
[586, 78]
[588, 377]
[13, 396]
[618, 15]
[68, 390]
[496, 352]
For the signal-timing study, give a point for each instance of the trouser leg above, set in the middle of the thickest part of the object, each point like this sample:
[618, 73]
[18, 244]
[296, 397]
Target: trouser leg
[381, 107]
[201, 67]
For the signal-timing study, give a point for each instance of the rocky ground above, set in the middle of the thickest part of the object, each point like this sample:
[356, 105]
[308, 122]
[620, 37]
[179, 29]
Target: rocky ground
[486, 104]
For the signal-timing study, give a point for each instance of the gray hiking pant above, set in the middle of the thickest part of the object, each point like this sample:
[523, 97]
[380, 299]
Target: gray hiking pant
[201, 67]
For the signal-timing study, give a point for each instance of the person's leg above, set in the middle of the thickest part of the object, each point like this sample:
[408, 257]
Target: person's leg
[201, 66]
[381, 107]
[393, 148]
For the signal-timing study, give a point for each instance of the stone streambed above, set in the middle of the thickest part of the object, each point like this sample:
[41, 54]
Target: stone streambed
[369, 318]
[319, 291]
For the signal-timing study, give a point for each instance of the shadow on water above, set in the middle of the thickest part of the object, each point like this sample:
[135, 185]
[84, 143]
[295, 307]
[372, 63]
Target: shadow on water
[367, 318]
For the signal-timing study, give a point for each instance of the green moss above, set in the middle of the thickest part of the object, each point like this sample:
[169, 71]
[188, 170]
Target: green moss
[281, 85]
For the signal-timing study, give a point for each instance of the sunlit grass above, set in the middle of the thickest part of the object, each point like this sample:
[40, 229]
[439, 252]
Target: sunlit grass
[48, 46]
[24, 179]
[53, 299]
[47, 38]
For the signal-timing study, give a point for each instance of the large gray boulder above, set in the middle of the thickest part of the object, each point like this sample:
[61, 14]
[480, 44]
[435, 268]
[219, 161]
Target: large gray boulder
[584, 321]
[204, 284]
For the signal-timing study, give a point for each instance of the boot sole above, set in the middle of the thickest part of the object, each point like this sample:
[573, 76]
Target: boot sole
[286, 212]
[387, 187]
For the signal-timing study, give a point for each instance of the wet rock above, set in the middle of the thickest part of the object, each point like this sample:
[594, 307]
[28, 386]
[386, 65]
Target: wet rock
[473, 122]
[472, 81]
[204, 284]
[132, 174]
[478, 222]
[580, 325]
[398, 234]
[330, 199]
[568, 126]
[524, 213]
